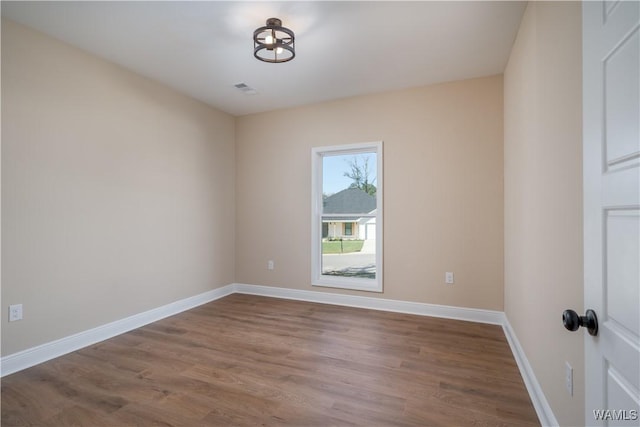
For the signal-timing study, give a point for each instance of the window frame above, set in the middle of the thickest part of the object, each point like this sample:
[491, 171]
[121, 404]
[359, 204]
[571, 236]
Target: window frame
[353, 283]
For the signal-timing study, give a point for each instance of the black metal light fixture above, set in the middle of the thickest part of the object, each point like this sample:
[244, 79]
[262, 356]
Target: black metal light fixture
[273, 42]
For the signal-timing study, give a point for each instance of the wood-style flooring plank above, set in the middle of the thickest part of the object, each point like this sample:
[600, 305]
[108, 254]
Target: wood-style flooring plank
[246, 360]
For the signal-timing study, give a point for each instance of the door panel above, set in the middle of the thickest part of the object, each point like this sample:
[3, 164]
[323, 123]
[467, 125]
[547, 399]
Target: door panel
[622, 255]
[621, 110]
[611, 132]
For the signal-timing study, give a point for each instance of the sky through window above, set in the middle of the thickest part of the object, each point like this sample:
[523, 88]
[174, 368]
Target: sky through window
[334, 168]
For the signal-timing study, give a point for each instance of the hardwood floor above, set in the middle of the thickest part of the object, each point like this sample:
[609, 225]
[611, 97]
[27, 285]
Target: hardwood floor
[247, 361]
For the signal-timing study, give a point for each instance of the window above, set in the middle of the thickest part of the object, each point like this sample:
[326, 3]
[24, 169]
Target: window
[347, 216]
[348, 229]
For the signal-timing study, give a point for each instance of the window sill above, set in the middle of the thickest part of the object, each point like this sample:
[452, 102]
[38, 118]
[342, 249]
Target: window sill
[355, 284]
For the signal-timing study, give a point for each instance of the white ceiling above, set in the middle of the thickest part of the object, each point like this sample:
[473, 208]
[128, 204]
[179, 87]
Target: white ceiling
[342, 48]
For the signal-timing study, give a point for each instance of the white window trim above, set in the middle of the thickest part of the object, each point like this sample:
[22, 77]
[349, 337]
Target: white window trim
[317, 279]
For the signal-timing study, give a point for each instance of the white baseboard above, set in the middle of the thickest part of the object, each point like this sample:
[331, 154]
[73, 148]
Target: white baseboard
[543, 410]
[35, 355]
[422, 309]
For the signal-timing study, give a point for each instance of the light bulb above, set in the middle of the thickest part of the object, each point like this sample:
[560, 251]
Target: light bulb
[268, 39]
[279, 50]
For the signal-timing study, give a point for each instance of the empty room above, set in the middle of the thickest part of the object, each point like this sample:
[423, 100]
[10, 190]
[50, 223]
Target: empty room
[319, 213]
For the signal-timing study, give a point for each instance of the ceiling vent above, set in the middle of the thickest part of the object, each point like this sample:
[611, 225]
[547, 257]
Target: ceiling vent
[245, 88]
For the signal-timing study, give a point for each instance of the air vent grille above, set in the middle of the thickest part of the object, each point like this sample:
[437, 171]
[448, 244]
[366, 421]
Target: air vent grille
[245, 88]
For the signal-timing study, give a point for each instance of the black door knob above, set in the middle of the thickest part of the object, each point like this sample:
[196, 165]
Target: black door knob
[572, 321]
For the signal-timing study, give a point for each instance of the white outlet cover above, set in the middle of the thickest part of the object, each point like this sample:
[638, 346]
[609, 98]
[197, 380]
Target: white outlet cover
[15, 312]
[568, 378]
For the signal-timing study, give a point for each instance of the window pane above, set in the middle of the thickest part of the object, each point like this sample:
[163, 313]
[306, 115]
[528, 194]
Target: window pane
[349, 183]
[349, 258]
[348, 229]
[348, 219]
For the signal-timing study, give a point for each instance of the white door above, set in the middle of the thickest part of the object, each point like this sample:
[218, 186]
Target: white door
[611, 114]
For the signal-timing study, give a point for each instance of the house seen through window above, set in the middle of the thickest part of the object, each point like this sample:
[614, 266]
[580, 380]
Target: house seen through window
[347, 237]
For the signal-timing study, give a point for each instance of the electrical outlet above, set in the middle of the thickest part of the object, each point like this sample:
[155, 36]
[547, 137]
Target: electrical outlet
[15, 312]
[448, 278]
[271, 265]
[568, 378]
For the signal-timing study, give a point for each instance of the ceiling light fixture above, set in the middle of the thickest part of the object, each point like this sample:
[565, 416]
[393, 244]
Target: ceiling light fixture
[273, 42]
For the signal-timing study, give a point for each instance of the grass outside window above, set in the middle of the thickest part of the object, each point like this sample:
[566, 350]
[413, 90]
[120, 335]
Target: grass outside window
[341, 246]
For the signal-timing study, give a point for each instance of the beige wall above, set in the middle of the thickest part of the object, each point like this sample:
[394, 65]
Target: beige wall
[543, 197]
[117, 193]
[443, 190]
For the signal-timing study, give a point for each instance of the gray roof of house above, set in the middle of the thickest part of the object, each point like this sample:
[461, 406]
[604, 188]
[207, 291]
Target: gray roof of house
[351, 200]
